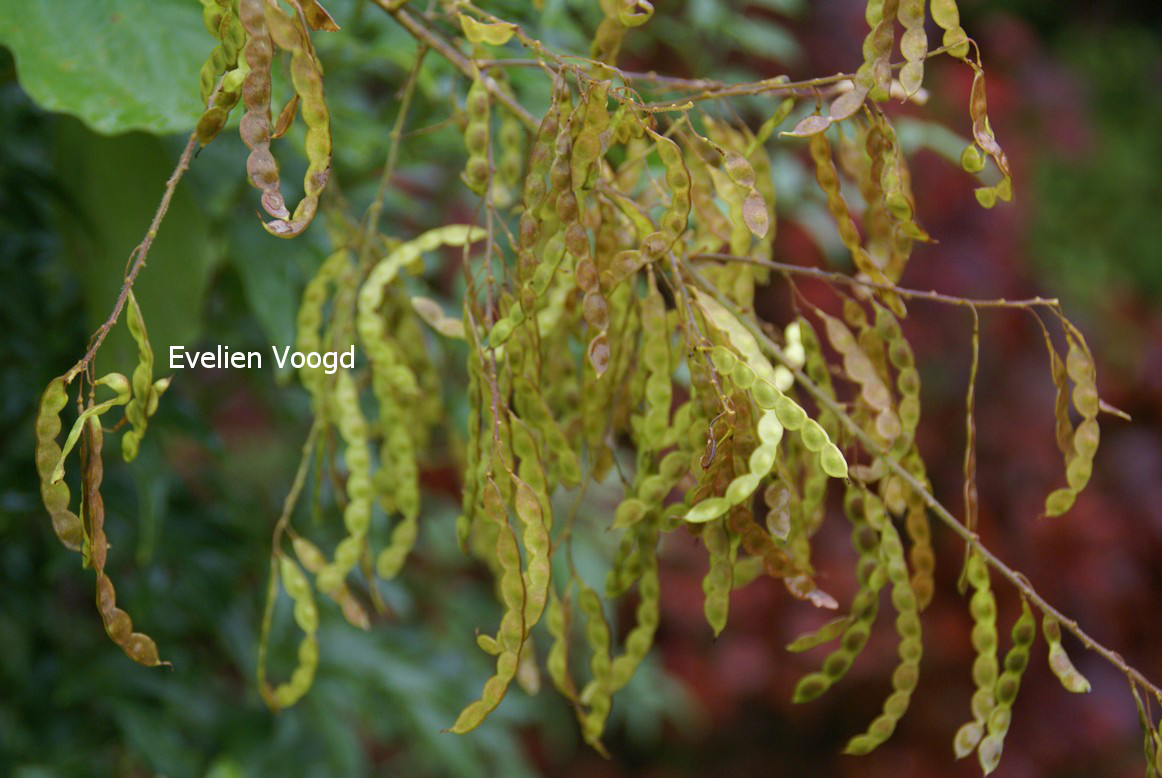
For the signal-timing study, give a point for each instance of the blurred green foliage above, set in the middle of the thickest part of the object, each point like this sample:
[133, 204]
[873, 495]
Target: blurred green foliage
[1096, 225]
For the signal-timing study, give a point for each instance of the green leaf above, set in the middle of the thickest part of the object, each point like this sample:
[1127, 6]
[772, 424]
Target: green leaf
[118, 66]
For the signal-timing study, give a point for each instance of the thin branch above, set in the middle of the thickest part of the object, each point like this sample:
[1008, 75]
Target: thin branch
[138, 256]
[912, 294]
[375, 209]
[971, 538]
[425, 36]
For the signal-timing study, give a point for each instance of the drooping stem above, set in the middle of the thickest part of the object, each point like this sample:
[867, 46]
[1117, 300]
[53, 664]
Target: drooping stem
[137, 259]
[852, 281]
[376, 207]
[420, 32]
[946, 517]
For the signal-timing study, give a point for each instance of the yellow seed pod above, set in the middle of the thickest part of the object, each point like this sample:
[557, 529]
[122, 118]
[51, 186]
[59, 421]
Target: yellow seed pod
[146, 392]
[496, 34]
[54, 492]
[477, 137]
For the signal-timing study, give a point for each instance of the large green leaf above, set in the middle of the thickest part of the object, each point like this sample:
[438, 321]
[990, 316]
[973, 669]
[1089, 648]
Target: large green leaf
[124, 65]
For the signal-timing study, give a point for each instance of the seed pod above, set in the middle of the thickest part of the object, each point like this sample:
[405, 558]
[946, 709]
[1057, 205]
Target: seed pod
[313, 561]
[907, 673]
[55, 493]
[854, 629]
[307, 77]
[921, 556]
[118, 625]
[620, 15]
[828, 178]
[306, 614]
[875, 74]
[597, 694]
[510, 636]
[1083, 441]
[507, 181]
[764, 392]
[222, 21]
[718, 582]
[393, 380]
[145, 392]
[907, 378]
[655, 356]
[859, 368]
[255, 127]
[984, 669]
[496, 34]
[891, 205]
[749, 210]
[1059, 662]
[674, 220]
[982, 134]
[913, 45]
[123, 392]
[770, 432]
[558, 619]
[947, 17]
[641, 637]
[1005, 692]
[309, 322]
[587, 146]
[352, 427]
[477, 136]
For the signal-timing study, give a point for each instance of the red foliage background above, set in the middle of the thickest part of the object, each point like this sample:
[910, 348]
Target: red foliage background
[1099, 563]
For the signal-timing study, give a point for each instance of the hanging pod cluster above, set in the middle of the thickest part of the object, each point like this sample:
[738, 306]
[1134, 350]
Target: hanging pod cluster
[240, 66]
[613, 362]
[84, 531]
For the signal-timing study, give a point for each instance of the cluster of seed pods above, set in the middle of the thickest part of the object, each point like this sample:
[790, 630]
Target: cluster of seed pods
[85, 533]
[609, 326]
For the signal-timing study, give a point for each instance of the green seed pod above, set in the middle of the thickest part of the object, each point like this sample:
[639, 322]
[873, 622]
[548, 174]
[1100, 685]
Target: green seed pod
[123, 392]
[947, 17]
[913, 45]
[54, 493]
[718, 582]
[1079, 445]
[675, 219]
[853, 630]
[641, 637]
[477, 136]
[1059, 662]
[145, 392]
[597, 694]
[906, 676]
[510, 637]
[984, 641]
[983, 136]
[828, 178]
[875, 74]
[558, 619]
[306, 615]
[352, 427]
[1005, 691]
